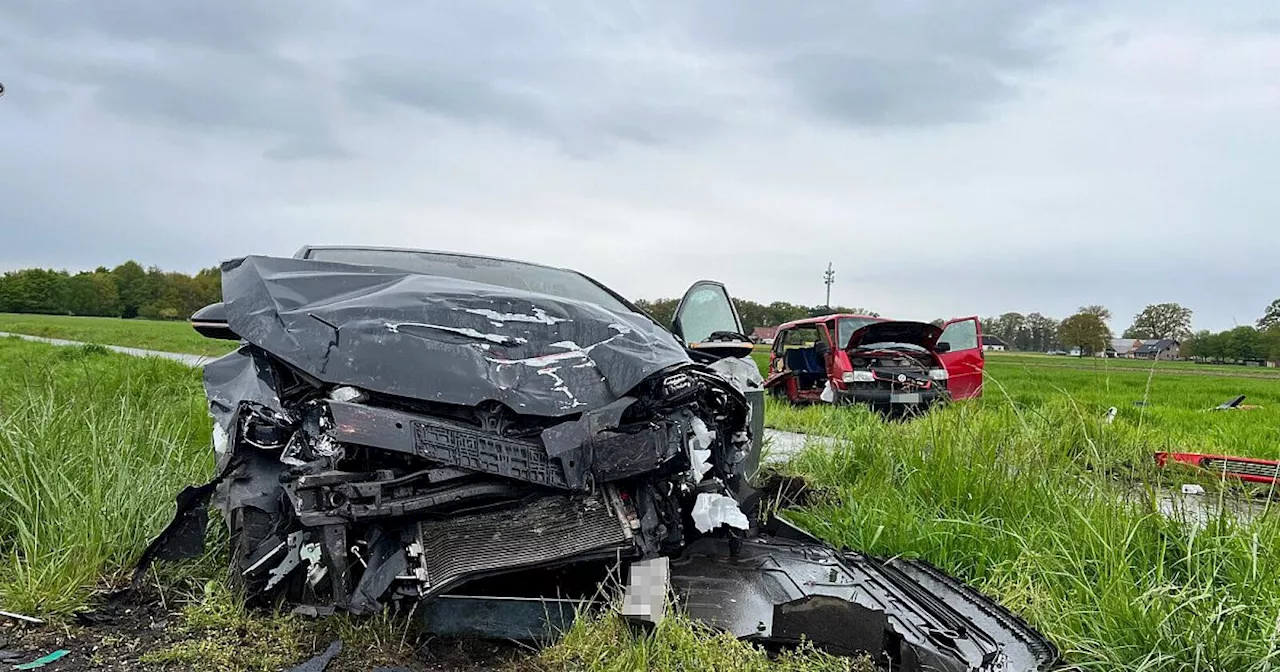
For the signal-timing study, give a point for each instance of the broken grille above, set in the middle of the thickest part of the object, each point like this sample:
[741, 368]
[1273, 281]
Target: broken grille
[547, 530]
[1242, 467]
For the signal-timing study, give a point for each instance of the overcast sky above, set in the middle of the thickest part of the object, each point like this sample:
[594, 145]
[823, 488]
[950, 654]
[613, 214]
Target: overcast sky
[948, 158]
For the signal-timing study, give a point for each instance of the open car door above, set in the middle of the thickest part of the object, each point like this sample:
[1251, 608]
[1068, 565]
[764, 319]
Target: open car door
[960, 349]
[707, 322]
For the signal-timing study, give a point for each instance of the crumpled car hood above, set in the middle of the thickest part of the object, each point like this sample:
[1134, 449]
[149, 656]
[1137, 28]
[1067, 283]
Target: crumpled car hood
[922, 334]
[441, 339]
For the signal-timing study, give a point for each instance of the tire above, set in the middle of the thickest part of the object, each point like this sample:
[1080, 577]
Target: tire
[249, 528]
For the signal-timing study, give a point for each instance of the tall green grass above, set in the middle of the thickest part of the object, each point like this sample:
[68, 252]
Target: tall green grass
[1159, 409]
[1041, 511]
[146, 334]
[93, 447]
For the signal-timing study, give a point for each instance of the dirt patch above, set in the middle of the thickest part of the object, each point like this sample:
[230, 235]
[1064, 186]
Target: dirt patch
[143, 634]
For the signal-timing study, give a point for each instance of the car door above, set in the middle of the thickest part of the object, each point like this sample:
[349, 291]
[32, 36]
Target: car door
[706, 321]
[960, 350]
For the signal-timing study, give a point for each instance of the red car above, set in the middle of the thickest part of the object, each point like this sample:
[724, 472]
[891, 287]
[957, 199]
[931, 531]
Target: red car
[889, 364]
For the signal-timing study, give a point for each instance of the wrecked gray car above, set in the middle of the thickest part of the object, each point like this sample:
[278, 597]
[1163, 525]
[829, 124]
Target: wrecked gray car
[491, 440]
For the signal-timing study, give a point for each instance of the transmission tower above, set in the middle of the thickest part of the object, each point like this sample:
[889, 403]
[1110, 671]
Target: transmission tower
[828, 278]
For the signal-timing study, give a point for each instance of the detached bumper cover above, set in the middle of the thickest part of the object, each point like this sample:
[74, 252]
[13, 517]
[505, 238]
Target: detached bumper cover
[904, 614]
[783, 586]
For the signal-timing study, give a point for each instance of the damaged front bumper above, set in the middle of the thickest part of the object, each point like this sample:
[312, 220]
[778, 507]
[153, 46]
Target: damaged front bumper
[782, 587]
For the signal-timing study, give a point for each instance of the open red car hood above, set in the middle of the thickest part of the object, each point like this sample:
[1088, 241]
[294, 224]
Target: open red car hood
[922, 334]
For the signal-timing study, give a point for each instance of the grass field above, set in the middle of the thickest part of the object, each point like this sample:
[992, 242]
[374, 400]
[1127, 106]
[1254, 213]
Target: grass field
[146, 334]
[1028, 493]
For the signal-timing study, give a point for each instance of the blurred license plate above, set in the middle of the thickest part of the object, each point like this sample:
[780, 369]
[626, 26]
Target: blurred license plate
[904, 397]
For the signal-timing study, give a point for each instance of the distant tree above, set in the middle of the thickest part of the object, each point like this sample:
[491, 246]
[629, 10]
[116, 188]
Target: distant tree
[1085, 331]
[1042, 333]
[662, 310]
[34, 290]
[1271, 318]
[1011, 328]
[1199, 345]
[1161, 320]
[132, 286]
[1243, 343]
[93, 294]
[939, 322]
[1101, 311]
[1271, 342]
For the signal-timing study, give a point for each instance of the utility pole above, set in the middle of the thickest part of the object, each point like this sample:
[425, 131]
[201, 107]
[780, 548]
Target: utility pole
[829, 277]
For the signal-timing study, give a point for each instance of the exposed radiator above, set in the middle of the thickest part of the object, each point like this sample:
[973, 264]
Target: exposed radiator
[546, 531]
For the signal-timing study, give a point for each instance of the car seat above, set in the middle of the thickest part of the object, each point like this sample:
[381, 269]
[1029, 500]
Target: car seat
[807, 367]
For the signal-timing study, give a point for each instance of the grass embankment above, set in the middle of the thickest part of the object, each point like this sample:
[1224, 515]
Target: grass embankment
[1027, 494]
[1031, 495]
[1039, 510]
[146, 334]
[1164, 408]
[1143, 365]
[94, 446]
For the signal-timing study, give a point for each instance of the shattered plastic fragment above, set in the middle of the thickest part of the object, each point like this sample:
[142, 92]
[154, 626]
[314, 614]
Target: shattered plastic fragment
[290, 562]
[742, 372]
[220, 439]
[700, 449]
[43, 660]
[348, 394]
[321, 662]
[712, 510]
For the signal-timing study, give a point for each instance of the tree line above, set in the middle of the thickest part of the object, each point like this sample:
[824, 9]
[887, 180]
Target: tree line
[752, 314]
[127, 291]
[1088, 331]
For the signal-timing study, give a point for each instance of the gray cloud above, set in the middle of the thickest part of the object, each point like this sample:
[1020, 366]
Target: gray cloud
[888, 63]
[1105, 154]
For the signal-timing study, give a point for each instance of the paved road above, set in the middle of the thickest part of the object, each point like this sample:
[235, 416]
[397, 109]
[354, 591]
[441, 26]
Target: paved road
[189, 360]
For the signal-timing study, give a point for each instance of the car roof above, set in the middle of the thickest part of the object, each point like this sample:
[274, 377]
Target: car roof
[305, 249]
[823, 318]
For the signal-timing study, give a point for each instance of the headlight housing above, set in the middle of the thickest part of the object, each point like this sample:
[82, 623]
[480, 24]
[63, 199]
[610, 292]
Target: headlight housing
[938, 374]
[858, 377]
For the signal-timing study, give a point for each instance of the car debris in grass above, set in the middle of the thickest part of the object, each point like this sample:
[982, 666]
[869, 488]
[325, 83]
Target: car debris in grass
[484, 437]
[1247, 469]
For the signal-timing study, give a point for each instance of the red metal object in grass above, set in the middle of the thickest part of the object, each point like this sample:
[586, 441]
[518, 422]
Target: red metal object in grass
[1244, 468]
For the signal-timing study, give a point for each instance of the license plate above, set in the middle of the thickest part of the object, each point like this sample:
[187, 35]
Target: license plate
[904, 398]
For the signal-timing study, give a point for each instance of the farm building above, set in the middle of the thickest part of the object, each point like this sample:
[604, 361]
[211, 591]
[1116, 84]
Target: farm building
[1158, 348]
[996, 343]
[1123, 347]
[764, 335]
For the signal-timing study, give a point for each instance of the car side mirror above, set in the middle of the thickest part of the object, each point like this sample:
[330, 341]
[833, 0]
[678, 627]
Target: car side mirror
[942, 346]
[211, 322]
